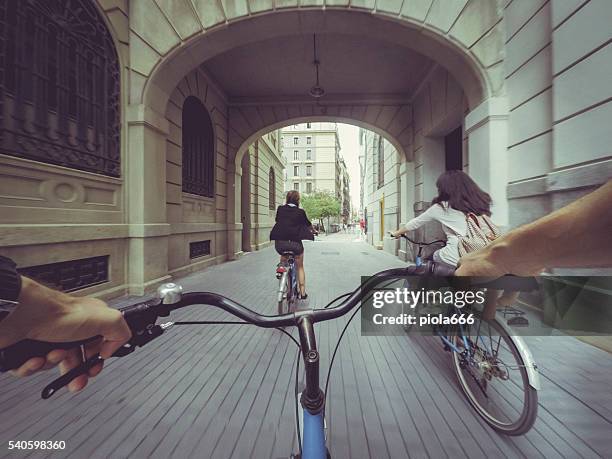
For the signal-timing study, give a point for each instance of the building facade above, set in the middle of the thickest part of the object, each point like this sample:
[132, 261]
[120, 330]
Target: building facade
[312, 153]
[345, 192]
[262, 190]
[101, 179]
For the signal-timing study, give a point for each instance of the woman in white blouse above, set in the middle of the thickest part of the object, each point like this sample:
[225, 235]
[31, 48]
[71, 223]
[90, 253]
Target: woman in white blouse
[458, 195]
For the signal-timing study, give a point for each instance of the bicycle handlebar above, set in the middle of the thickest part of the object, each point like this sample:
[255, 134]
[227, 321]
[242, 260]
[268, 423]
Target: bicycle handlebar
[142, 317]
[439, 241]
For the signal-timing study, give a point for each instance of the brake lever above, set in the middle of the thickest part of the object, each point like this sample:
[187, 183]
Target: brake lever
[139, 339]
[70, 376]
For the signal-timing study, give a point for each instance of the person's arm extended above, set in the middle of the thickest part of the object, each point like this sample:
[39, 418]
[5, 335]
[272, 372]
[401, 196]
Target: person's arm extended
[307, 222]
[417, 222]
[45, 314]
[575, 236]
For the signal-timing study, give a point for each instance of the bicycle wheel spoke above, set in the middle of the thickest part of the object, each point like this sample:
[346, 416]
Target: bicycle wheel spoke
[493, 377]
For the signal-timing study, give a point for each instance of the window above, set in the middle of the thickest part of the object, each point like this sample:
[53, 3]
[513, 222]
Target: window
[72, 275]
[296, 171]
[307, 125]
[272, 189]
[308, 154]
[309, 170]
[309, 187]
[381, 162]
[308, 140]
[296, 140]
[296, 186]
[60, 85]
[199, 249]
[296, 155]
[198, 149]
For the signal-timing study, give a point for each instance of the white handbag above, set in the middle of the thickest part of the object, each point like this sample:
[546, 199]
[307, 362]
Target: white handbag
[481, 231]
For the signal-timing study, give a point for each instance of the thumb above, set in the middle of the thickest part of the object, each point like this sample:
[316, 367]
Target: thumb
[115, 332]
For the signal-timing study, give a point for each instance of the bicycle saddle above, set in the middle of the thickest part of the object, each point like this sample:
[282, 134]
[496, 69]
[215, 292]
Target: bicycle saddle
[288, 253]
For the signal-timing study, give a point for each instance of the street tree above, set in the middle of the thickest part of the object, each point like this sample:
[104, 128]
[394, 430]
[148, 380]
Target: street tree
[320, 205]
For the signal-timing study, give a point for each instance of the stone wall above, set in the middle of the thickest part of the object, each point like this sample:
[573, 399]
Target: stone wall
[558, 54]
[382, 202]
[263, 155]
[194, 218]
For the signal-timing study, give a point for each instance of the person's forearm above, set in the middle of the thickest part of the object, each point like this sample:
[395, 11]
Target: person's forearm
[574, 236]
[36, 303]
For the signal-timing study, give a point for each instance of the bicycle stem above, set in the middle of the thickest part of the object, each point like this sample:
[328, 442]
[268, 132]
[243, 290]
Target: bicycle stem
[313, 398]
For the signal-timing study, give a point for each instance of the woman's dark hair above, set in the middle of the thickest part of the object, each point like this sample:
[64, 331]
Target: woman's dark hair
[462, 193]
[293, 197]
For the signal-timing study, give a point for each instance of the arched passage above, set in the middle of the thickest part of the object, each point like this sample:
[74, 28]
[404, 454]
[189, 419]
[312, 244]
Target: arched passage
[402, 149]
[452, 47]
[255, 71]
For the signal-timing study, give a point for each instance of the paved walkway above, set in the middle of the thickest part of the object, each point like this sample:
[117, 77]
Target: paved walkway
[227, 391]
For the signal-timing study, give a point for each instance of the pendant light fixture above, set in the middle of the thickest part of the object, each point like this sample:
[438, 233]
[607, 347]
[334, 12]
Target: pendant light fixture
[316, 91]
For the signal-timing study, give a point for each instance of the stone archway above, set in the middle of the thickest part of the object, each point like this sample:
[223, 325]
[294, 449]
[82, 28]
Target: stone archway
[464, 42]
[465, 39]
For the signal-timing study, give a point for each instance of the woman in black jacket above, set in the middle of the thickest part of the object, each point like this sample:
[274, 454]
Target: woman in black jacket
[292, 225]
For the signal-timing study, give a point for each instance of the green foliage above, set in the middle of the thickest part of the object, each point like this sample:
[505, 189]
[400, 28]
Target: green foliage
[320, 204]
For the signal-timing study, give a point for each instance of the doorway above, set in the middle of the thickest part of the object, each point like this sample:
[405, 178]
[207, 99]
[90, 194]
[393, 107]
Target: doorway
[453, 149]
[245, 202]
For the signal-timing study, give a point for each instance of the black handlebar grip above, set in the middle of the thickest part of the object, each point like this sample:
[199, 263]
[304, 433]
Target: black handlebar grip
[15, 355]
[442, 271]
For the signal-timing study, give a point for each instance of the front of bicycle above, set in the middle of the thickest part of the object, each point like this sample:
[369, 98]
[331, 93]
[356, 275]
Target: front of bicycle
[142, 319]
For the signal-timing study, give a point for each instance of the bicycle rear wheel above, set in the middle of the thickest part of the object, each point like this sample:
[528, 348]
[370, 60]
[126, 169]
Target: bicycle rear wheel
[290, 292]
[284, 294]
[492, 374]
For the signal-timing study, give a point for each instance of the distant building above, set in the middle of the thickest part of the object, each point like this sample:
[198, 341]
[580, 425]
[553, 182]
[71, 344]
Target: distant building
[345, 196]
[314, 162]
[312, 153]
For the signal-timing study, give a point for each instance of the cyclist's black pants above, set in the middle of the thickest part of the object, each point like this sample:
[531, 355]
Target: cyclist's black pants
[285, 246]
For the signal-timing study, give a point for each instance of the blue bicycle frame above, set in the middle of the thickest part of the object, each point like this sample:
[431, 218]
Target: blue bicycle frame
[418, 261]
[313, 443]
[293, 278]
[313, 398]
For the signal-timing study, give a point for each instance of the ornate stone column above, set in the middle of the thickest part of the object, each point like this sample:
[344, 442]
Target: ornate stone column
[147, 256]
[234, 226]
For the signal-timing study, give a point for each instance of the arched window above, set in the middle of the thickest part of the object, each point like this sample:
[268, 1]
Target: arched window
[198, 149]
[60, 84]
[272, 189]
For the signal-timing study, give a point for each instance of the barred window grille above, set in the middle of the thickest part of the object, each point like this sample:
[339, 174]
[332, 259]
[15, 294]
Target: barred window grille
[60, 85]
[71, 275]
[272, 189]
[198, 149]
[199, 249]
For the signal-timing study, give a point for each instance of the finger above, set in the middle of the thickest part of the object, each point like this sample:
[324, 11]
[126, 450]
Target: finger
[73, 359]
[115, 330]
[56, 356]
[96, 369]
[30, 366]
[109, 348]
[78, 383]
[92, 349]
